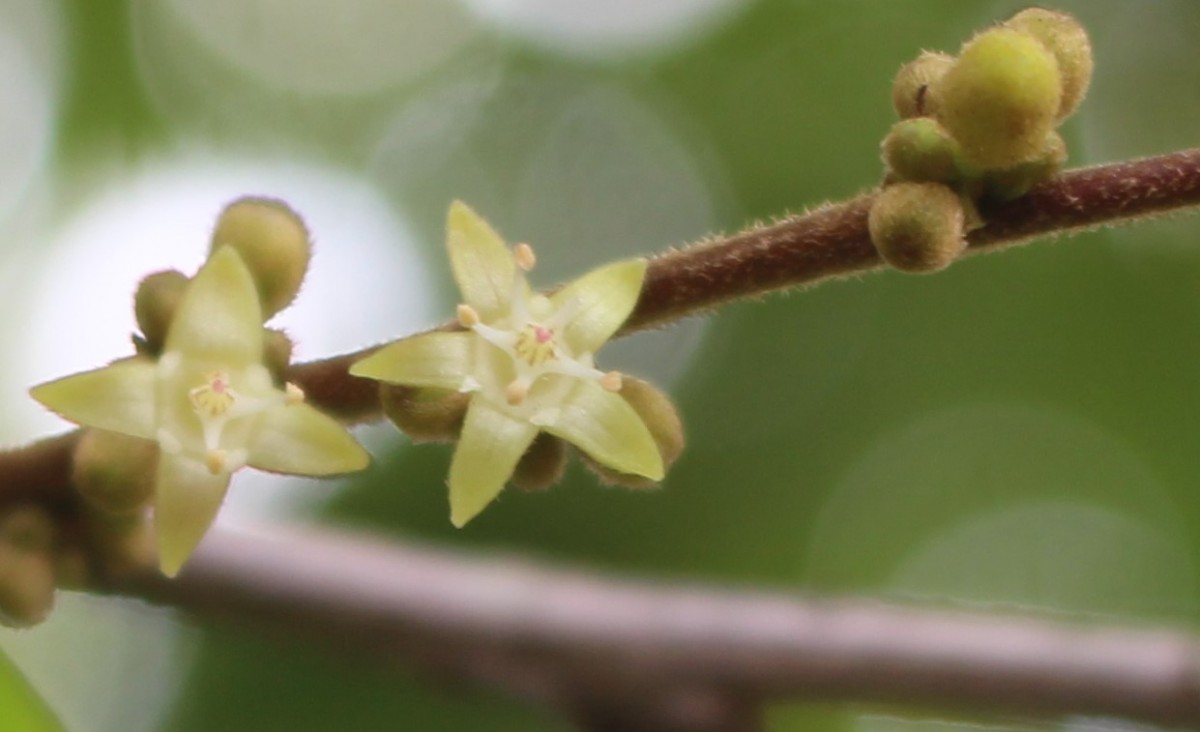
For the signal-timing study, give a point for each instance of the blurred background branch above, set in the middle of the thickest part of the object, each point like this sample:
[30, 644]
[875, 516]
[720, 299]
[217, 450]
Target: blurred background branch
[674, 656]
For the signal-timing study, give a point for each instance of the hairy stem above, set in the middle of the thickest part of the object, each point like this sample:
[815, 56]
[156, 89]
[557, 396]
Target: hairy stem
[828, 242]
[831, 241]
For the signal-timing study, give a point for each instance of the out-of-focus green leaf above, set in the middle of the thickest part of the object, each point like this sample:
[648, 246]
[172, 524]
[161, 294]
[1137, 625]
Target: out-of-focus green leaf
[21, 709]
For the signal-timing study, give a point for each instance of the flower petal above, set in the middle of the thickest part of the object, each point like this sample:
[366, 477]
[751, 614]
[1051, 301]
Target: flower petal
[299, 440]
[119, 397]
[603, 425]
[186, 502]
[440, 360]
[483, 266]
[602, 300]
[491, 444]
[219, 318]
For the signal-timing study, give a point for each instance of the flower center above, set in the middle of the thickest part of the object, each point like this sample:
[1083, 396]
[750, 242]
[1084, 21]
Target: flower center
[535, 344]
[215, 403]
[213, 399]
[532, 345]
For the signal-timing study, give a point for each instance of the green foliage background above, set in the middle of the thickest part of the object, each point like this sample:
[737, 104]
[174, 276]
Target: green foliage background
[1017, 432]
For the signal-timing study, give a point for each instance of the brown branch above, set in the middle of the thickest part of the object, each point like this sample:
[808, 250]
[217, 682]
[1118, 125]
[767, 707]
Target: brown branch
[832, 241]
[572, 639]
[828, 242]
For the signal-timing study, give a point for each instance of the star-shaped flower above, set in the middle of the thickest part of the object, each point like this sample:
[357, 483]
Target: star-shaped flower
[527, 361]
[210, 404]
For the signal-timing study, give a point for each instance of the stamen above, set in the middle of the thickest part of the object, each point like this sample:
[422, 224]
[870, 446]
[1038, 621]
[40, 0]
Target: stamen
[505, 340]
[292, 394]
[612, 381]
[578, 369]
[516, 392]
[468, 317]
[517, 298]
[214, 460]
[524, 256]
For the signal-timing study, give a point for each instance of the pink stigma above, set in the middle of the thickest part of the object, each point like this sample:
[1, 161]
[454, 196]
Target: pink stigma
[218, 386]
[543, 334]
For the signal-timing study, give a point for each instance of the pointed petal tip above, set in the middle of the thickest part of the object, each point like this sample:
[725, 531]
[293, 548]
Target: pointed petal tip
[369, 367]
[118, 397]
[435, 359]
[463, 510]
[656, 472]
[170, 566]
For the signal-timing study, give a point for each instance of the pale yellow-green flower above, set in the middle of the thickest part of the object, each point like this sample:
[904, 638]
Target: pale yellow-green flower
[527, 362]
[210, 404]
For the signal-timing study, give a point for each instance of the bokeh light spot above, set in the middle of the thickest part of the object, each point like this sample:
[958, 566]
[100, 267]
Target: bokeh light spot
[579, 27]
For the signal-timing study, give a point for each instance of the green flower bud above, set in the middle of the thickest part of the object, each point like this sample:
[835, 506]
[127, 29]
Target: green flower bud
[28, 529]
[658, 412]
[920, 149]
[912, 89]
[277, 353]
[126, 545]
[1014, 182]
[1001, 97]
[26, 586]
[425, 414]
[542, 465]
[154, 304]
[274, 244]
[1064, 37]
[27, 543]
[114, 472]
[917, 227]
[72, 569]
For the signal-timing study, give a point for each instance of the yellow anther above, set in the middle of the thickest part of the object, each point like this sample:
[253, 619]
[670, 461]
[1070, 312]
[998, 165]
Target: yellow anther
[611, 381]
[524, 256]
[293, 394]
[214, 460]
[516, 392]
[467, 316]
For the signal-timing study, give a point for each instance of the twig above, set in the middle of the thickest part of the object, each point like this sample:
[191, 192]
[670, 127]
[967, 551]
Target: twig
[572, 639]
[830, 241]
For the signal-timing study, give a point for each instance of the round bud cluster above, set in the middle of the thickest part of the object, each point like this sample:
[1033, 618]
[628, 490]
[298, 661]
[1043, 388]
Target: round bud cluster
[981, 125]
[272, 241]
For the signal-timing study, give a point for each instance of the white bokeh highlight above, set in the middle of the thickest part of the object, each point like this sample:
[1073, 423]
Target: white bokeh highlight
[941, 468]
[321, 47]
[613, 27]
[104, 664]
[30, 49]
